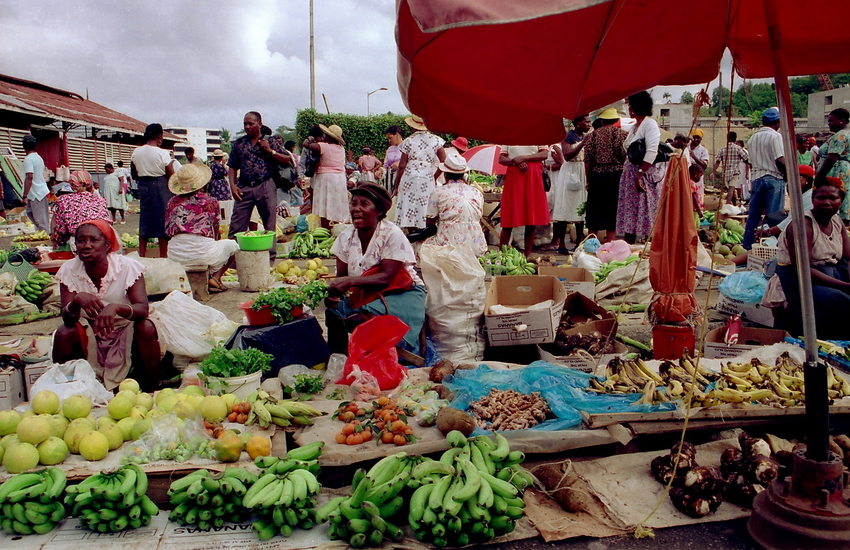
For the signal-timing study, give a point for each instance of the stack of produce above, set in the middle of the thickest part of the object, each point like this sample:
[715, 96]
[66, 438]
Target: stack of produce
[385, 419]
[205, 500]
[130, 241]
[696, 490]
[593, 343]
[750, 382]
[40, 235]
[750, 470]
[109, 502]
[31, 503]
[283, 496]
[267, 410]
[509, 410]
[312, 244]
[506, 261]
[731, 233]
[607, 268]
[290, 273]
[33, 287]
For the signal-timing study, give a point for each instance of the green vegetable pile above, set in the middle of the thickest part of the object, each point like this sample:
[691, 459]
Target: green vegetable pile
[732, 232]
[315, 243]
[581, 208]
[308, 383]
[606, 269]
[507, 261]
[284, 299]
[227, 363]
[477, 177]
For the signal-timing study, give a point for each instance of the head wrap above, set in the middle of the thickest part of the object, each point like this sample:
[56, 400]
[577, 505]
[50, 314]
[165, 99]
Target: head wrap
[376, 194]
[806, 170]
[106, 228]
[835, 182]
[697, 132]
[80, 181]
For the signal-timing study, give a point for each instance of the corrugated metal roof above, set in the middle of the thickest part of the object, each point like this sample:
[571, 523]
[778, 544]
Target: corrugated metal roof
[33, 98]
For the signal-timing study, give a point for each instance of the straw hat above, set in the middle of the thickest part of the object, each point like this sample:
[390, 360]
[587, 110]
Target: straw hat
[416, 122]
[609, 114]
[218, 153]
[189, 178]
[454, 164]
[333, 131]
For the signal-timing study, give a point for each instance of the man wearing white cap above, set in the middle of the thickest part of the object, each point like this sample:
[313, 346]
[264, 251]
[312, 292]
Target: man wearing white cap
[768, 161]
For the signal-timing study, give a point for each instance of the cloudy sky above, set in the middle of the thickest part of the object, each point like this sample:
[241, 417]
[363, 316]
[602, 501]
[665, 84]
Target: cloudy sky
[204, 63]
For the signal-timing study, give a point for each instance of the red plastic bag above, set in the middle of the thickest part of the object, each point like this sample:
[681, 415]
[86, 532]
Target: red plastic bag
[372, 349]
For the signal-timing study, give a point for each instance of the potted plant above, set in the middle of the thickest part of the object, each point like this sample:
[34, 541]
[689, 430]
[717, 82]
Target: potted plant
[286, 303]
[234, 371]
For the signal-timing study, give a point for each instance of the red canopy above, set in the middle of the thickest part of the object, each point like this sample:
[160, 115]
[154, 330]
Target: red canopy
[673, 252]
[507, 72]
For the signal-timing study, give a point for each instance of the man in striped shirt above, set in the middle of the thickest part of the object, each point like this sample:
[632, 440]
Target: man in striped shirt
[731, 158]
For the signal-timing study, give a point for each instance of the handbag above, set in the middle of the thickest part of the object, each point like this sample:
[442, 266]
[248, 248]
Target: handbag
[637, 150]
[282, 174]
[310, 162]
[547, 181]
[401, 281]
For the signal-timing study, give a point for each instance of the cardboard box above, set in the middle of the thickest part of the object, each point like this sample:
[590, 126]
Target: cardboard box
[606, 327]
[725, 266]
[579, 309]
[11, 388]
[748, 339]
[574, 279]
[756, 313]
[31, 373]
[527, 327]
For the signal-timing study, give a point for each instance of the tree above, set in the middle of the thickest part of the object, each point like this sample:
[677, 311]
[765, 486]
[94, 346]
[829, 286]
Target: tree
[286, 133]
[720, 98]
[224, 134]
[687, 97]
[667, 97]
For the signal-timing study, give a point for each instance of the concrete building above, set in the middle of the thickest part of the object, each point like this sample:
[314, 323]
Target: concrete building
[204, 140]
[821, 103]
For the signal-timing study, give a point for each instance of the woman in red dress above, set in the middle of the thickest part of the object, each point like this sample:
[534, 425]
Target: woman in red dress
[523, 197]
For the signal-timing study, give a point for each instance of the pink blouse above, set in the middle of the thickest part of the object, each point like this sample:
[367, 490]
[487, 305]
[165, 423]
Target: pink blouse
[332, 158]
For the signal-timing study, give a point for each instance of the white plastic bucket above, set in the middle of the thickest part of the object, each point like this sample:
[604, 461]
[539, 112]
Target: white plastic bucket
[240, 386]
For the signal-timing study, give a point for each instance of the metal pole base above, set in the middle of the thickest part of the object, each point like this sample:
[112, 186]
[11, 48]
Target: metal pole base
[808, 510]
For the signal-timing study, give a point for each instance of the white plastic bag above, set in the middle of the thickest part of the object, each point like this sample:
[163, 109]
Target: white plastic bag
[163, 275]
[587, 261]
[184, 325]
[455, 302]
[72, 378]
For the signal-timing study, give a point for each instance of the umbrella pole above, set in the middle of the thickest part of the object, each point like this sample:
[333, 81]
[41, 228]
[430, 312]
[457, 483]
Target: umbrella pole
[817, 400]
[808, 509]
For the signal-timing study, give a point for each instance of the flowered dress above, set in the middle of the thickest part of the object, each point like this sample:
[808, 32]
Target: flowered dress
[219, 187]
[191, 222]
[417, 182]
[459, 207]
[71, 210]
[636, 209]
[839, 144]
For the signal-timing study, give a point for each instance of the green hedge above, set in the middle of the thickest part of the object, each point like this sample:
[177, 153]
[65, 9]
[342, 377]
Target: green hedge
[359, 131]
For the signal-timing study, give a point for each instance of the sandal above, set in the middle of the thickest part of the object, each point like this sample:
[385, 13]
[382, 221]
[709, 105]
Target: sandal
[215, 286]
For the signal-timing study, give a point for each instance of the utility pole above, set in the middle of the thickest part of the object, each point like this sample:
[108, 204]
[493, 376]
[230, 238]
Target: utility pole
[312, 62]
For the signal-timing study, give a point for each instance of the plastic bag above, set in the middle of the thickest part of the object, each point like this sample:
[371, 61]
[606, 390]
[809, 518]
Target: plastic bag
[455, 301]
[372, 349]
[587, 261]
[746, 286]
[591, 245]
[364, 385]
[614, 251]
[182, 324]
[72, 378]
[163, 275]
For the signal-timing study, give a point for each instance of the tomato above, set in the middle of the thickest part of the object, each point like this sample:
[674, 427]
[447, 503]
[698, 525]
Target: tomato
[399, 439]
[367, 434]
[387, 437]
[348, 429]
[398, 426]
[354, 439]
[340, 438]
[408, 430]
[346, 416]
[383, 400]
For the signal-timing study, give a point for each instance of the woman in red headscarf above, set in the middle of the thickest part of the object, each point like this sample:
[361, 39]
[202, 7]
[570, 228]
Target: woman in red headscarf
[105, 310]
[72, 208]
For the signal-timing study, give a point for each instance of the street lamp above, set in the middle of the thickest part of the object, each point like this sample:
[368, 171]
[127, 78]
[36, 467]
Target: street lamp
[368, 97]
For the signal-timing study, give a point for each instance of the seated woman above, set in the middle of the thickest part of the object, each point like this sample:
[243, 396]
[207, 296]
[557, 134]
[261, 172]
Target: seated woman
[373, 255]
[72, 208]
[192, 224]
[829, 250]
[456, 208]
[105, 310]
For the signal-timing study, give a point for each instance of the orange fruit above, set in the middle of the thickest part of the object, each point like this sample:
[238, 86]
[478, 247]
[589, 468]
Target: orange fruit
[228, 447]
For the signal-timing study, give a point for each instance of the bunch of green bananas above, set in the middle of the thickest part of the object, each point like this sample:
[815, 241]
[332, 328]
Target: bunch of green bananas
[204, 499]
[267, 410]
[40, 235]
[727, 236]
[507, 261]
[285, 501]
[471, 494]
[34, 286]
[109, 502]
[31, 503]
[305, 457]
[4, 255]
[364, 518]
[311, 244]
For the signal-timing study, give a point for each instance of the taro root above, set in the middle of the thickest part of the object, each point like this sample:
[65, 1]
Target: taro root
[690, 505]
[731, 462]
[441, 370]
[687, 458]
[741, 492]
[662, 469]
[704, 481]
[752, 446]
[687, 449]
[762, 469]
[449, 418]
[697, 475]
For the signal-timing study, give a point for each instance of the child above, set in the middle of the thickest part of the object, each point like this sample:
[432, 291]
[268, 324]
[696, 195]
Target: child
[696, 172]
[367, 164]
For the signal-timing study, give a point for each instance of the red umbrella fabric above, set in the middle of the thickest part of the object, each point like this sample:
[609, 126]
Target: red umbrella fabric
[527, 65]
[673, 252]
[485, 158]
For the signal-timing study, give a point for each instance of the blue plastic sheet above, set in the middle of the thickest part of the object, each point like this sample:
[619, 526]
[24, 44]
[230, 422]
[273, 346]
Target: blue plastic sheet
[563, 388]
[840, 360]
[746, 286]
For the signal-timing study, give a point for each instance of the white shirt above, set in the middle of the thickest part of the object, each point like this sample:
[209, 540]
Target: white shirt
[388, 243]
[765, 146]
[34, 164]
[150, 161]
[699, 153]
[648, 130]
[807, 205]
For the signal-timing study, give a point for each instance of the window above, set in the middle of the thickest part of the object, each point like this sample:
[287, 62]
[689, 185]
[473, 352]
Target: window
[665, 112]
[179, 131]
[827, 100]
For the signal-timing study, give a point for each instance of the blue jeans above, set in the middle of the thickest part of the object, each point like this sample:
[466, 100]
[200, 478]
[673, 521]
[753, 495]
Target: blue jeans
[767, 196]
